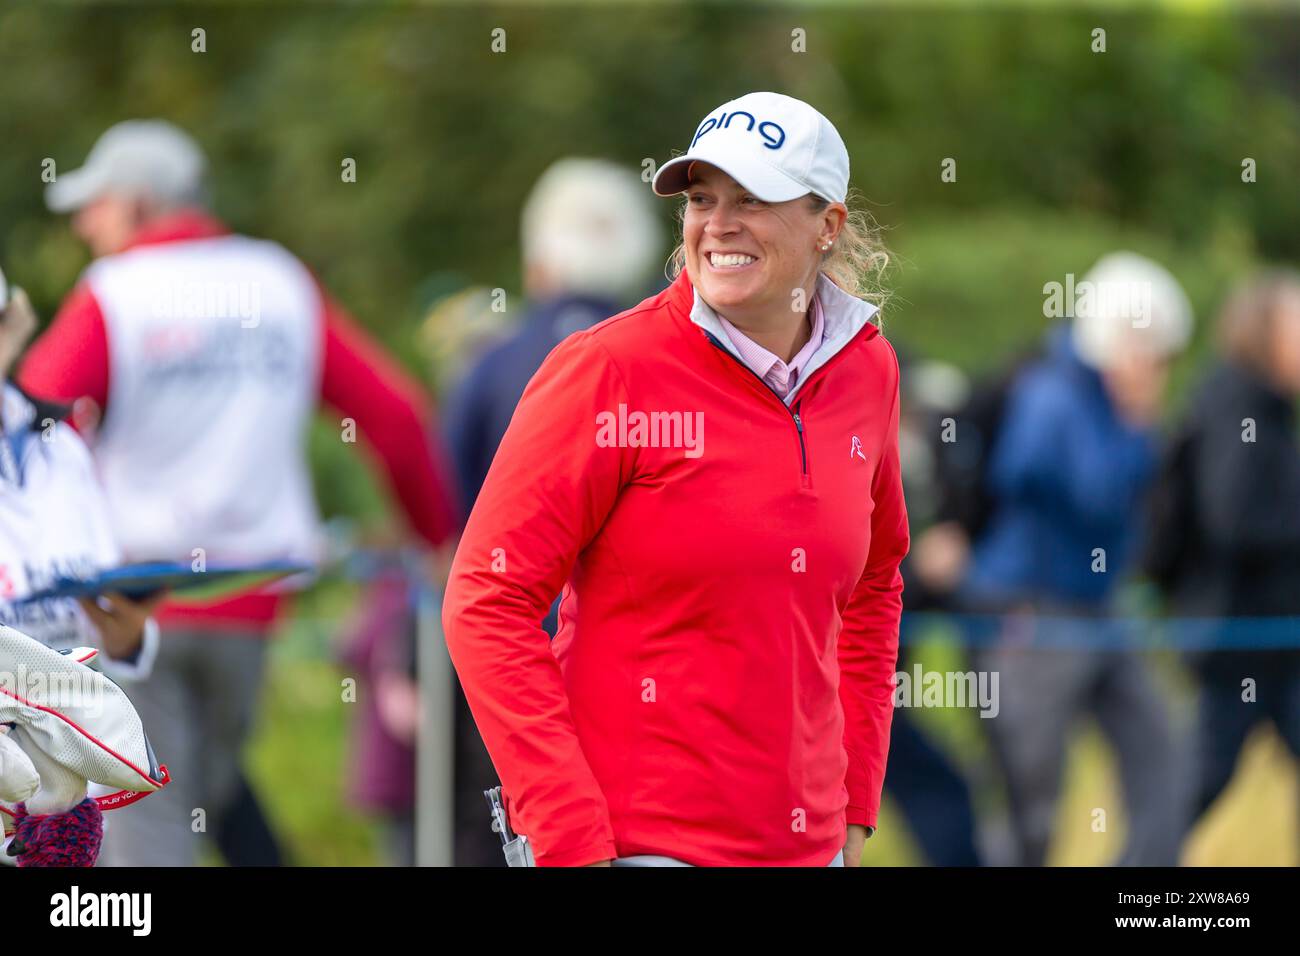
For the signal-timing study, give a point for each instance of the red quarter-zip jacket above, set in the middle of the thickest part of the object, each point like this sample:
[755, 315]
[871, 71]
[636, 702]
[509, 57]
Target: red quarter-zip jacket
[721, 686]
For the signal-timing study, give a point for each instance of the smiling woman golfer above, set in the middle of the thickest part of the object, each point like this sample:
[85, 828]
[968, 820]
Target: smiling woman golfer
[714, 473]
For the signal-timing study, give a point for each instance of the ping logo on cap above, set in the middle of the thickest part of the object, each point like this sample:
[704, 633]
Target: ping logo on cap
[768, 130]
[777, 147]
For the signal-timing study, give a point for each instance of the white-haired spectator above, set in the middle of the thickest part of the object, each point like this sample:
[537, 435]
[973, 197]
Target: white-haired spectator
[1073, 459]
[588, 229]
[1128, 302]
[591, 239]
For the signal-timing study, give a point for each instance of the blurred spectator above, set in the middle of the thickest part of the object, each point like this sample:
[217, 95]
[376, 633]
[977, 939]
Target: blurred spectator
[221, 347]
[381, 652]
[1072, 462]
[1226, 542]
[590, 240]
[457, 330]
[54, 523]
[931, 792]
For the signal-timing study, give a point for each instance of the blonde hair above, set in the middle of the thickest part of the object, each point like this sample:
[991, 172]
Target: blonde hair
[1251, 313]
[856, 263]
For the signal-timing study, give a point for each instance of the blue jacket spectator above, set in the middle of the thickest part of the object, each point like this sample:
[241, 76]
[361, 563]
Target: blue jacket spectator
[590, 238]
[1068, 474]
[478, 409]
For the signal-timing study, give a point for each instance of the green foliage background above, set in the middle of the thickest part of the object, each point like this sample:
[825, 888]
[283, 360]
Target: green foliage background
[1062, 154]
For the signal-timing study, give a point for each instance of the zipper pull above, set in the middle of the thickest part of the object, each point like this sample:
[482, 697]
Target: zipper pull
[798, 423]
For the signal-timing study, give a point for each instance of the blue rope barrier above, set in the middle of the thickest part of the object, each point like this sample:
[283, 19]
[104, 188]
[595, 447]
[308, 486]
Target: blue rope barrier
[1131, 632]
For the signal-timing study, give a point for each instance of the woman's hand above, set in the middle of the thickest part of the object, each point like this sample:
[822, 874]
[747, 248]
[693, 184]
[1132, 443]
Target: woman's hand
[941, 555]
[855, 844]
[120, 621]
[397, 699]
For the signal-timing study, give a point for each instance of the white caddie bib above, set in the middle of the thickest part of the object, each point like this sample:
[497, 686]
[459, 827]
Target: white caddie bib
[215, 349]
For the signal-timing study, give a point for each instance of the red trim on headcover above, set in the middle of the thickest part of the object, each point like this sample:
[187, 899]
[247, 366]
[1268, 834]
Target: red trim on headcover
[124, 798]
[119, 798]
[81, 730]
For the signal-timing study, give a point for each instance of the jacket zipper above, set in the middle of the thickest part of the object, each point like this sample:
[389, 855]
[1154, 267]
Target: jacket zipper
[798, 424]
[793, 412]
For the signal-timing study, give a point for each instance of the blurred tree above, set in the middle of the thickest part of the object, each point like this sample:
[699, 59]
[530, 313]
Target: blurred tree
[1061, 152]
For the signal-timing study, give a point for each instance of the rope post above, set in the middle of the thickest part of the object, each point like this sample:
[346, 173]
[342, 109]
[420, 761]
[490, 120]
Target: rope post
[435, 748]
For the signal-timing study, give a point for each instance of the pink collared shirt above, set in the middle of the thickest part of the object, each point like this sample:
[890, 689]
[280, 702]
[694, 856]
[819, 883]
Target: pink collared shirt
[779, 375]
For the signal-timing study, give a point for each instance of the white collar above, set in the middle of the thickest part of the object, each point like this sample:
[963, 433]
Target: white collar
[844, 316]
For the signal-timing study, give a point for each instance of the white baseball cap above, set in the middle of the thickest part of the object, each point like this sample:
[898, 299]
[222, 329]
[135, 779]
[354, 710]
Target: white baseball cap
[777, 147]
[151, 157]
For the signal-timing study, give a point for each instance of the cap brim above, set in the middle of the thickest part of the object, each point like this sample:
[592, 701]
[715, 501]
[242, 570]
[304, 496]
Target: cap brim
[73, 190]
[766, 182]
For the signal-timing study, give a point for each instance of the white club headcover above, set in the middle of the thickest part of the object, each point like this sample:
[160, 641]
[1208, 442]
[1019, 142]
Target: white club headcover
[59, 789]
[18, 777]
[74, 724]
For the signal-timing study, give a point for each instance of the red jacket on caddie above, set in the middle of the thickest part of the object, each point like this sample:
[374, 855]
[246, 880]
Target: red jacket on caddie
[721, 686]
